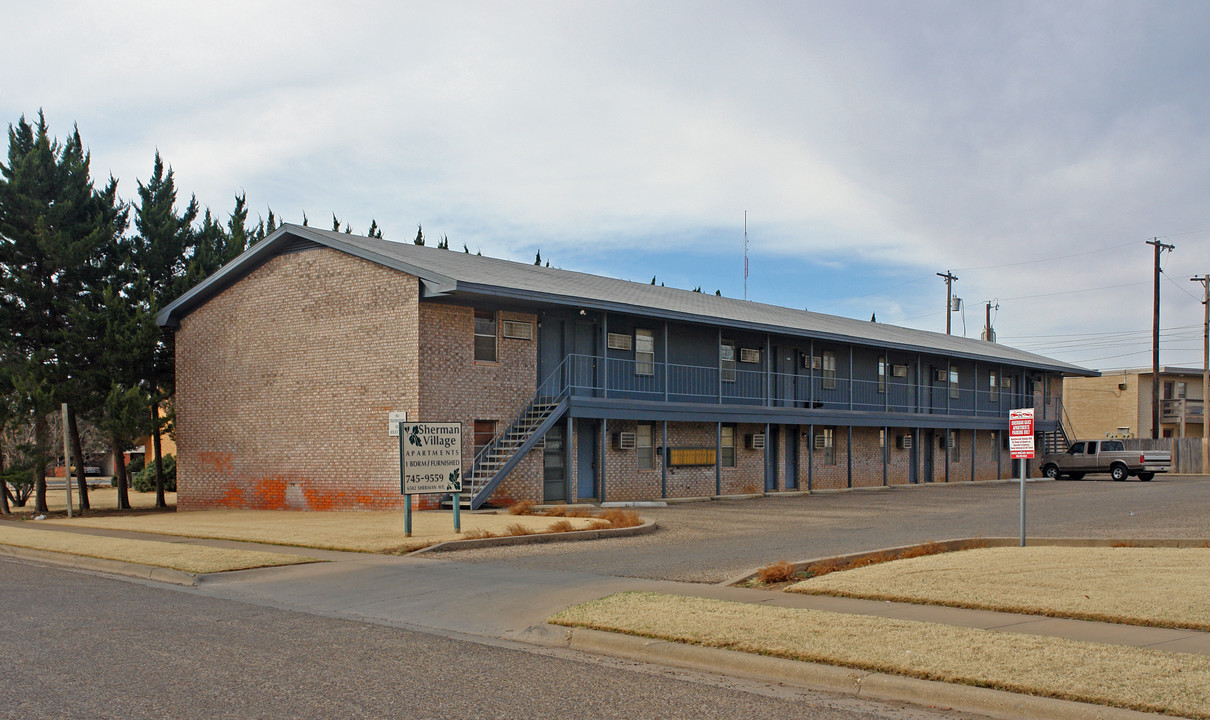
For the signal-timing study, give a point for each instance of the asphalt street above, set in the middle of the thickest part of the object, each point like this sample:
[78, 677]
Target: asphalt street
[716, 540]
[79, 645]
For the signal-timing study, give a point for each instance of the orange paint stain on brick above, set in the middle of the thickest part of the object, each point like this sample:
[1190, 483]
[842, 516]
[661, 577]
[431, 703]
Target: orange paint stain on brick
[220, 462]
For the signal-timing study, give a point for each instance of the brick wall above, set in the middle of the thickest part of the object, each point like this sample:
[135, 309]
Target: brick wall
[454, 387]
[285, 381]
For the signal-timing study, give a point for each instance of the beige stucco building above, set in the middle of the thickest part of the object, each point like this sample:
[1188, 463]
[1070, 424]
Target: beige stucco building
[1119, 403]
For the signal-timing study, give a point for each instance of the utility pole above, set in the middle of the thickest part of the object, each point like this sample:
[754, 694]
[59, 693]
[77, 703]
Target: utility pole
[1155, 338]
[989, 334]
[1205, 281]
[949, 278]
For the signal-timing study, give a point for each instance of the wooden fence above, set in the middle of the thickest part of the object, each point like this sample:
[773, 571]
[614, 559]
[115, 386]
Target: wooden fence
[1186, 452]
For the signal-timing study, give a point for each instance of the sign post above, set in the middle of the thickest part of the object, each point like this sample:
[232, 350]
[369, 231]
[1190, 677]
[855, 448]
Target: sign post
[1021, 447]
[430, 462]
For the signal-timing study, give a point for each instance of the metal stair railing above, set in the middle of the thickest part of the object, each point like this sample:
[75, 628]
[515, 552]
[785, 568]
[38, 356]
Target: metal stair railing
[493, 463]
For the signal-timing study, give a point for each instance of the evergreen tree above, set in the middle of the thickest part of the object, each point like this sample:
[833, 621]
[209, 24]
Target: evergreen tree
[170, 257]
[465, 249]
[375, 231]
[419, 236]
[538, 258]
[53, 227]
[718, 293]
[444, 243]
[238, 237]
[653, 279]
[335, 223]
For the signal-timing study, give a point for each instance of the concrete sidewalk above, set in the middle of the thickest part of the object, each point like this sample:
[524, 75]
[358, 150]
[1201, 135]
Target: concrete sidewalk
[505, 601]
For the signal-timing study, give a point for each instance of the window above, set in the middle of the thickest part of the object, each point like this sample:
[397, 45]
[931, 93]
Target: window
[824, 442]
[1113, 445]
[728, 446]
[993, 392]
[644, 446]
[1076, 449]
[1181, 389]
[955, 446]
[1168, 390]
[644, 352]
[485, 336]
[1091, 449]
[726, 356]
[485, 430]
[829, 370]
[881, 374]
[953, 382]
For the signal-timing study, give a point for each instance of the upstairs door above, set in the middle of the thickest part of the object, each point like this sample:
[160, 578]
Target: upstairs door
[551, 350]
[584, 372]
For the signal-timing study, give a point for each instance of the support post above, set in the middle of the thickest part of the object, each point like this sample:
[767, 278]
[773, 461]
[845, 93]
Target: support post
[1205, 281]
[810, 457]
[1155, 337]
[886, 450]
[67, 462]
[849, 452]
[604, 456]
[664, 461]
[718, 459]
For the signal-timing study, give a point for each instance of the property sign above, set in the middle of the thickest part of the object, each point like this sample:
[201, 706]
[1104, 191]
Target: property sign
[393, 421]
[1021, 433]
[432, 458]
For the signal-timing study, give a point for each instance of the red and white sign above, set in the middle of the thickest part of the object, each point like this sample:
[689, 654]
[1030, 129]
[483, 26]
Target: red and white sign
[1021, 433]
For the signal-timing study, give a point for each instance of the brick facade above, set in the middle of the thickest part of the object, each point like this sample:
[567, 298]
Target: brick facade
[284, 383]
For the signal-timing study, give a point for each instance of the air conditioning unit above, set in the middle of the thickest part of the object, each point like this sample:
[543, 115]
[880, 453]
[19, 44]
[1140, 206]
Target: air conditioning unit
[940, 374]
[1121, 386]
[755, 441]
[899, 371]
[518, 330]
[617, 341]
[749, 355]
[623, 441]
[903, 442]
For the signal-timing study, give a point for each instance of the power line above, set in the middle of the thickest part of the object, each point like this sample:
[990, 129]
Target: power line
[1048, 259]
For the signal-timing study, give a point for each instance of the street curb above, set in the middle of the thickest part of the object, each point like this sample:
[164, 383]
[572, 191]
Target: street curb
[112, 567]
[648, 526]
[993, 542]
[859, 683]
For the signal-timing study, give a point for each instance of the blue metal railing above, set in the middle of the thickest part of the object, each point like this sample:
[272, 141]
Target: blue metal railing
[588, 375]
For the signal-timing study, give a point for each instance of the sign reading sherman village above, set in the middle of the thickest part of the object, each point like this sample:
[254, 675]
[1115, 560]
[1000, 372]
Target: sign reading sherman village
[432, 458]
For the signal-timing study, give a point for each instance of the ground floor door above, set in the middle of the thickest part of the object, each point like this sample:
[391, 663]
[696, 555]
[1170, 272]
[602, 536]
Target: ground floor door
[927, 445]
[586, 460]
[792, 457]
[554, 466]
[771, 446]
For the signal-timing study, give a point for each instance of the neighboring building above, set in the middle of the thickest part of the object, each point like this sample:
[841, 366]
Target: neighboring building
[1119, 403]
[569, 386]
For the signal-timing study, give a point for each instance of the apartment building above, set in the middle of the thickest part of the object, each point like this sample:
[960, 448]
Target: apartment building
[569, 386]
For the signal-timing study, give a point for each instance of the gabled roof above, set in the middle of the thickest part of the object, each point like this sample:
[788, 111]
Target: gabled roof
[462, 275]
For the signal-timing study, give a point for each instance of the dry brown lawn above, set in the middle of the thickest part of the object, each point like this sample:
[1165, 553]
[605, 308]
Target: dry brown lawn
[175, 555]
[1164, 587]
[380, 532]
[101, 498]
[1129, 677]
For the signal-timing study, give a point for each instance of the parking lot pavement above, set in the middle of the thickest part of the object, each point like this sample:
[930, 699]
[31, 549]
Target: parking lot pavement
[713, 541]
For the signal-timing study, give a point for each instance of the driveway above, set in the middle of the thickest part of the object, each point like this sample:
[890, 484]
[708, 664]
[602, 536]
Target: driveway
[711, 541]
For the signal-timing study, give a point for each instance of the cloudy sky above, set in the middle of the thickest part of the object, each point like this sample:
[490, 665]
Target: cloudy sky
[1032, 148]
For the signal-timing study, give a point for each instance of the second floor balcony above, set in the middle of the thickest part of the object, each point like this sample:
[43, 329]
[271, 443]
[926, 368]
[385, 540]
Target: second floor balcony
[623, 379]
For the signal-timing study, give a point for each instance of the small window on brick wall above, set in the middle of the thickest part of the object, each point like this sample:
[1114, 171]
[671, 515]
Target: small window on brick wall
[485, 430]
[485, 336]
[644, 446]
[727, 459]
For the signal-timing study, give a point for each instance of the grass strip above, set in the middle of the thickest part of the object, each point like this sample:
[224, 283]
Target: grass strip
[1128, 677]
[378, 532]
[1158, 587]
[178, 556]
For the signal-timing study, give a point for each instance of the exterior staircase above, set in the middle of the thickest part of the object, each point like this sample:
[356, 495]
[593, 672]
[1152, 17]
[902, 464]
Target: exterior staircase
[498, 458]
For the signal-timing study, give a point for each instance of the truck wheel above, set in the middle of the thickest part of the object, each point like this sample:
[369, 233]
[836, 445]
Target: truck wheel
[1119, 473]
[1146, 476]
[1076, 476]
[1052, 472]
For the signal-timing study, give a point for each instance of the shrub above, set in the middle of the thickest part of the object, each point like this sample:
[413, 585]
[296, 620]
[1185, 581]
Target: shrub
[144, 480]
[780, 571]
[524, 507]
[137, 462]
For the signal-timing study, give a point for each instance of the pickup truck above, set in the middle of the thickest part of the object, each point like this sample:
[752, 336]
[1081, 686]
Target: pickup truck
[1111, 456]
